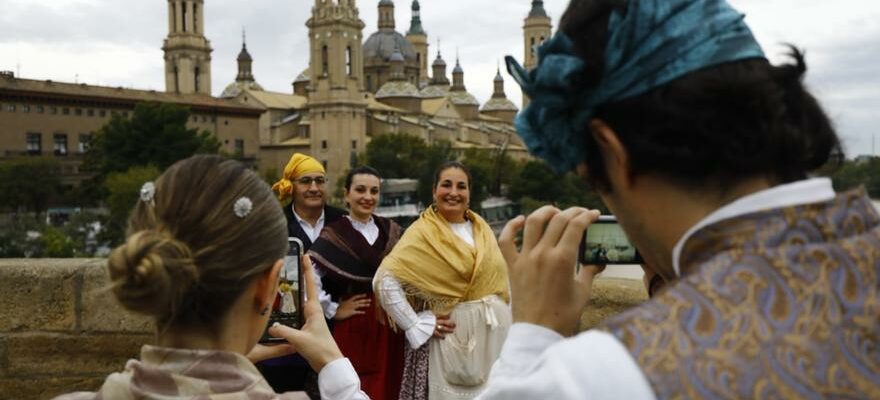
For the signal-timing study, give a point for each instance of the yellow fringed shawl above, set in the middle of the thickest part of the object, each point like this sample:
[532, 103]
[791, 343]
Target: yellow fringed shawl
[438, 270]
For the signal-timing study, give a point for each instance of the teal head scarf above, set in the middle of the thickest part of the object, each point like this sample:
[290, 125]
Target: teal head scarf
[650, 43]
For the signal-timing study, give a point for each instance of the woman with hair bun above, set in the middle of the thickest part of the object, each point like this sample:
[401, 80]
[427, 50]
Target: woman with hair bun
[203, 254]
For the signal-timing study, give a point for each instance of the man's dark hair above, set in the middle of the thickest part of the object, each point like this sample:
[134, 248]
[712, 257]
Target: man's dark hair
[362, 170]
[712, 127]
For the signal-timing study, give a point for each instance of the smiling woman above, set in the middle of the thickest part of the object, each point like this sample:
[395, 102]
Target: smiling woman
[346, 256]
[446, 280]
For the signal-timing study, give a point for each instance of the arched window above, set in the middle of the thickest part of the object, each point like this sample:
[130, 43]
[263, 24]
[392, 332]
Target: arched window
[176, 80]
[348, 70]
[183, 13]
[195, 18]
[325, 67]
[198, 82]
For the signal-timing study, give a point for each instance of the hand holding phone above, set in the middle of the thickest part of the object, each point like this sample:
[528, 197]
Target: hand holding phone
[288, 306]
[605, 243]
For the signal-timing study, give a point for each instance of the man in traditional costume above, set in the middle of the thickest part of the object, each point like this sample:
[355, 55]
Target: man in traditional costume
[701, 148]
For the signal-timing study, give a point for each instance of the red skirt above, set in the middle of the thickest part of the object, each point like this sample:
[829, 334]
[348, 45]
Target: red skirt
[375, 350]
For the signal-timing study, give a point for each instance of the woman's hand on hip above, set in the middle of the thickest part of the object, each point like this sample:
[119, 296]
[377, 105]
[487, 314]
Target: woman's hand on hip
[313, 341]
[544, 289]
[352, 306]
[445, 325]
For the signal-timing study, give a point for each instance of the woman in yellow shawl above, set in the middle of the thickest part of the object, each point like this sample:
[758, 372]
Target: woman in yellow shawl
[445, 285]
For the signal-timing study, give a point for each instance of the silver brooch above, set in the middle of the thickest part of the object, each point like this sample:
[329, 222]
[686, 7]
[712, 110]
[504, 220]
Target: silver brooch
[243, 207]
[148, 191]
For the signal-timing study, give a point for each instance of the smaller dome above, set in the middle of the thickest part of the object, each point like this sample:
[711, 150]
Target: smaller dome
[303, 76]
[382, 44]
[438, 62]
[397, 89]
[498, 77]
[463, 99]
[235, 88]
[386, 3]
[499, 104]
[434, 92]
[457, 69]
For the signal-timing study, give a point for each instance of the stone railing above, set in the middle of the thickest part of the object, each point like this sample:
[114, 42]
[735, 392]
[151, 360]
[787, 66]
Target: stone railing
[61, 330]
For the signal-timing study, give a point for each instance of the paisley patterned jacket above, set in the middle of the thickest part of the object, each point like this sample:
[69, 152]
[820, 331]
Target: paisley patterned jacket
[775, 304]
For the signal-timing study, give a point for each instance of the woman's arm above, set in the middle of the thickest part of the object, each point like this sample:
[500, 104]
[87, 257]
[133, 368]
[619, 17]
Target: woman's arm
[419, 327]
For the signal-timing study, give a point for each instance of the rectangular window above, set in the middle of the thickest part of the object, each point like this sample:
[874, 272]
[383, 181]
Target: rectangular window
[83, 145]
[239, 147]
[60, 144]
[53, 110]
[78, 112]
[25, 108]
[34, 144]
[324, 144]
[102, 113]
[90, 112]
[65, 111]
[354, 144]
[324, 163]
[10, 107]
[41, 109]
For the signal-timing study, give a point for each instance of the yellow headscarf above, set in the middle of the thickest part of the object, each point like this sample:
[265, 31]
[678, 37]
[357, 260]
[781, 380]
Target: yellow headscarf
[438, 270]
[299, 165]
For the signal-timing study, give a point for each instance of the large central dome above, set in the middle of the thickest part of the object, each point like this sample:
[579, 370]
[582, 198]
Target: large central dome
[382, 44]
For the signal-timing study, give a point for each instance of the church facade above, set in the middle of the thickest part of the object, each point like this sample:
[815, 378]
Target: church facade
[355, 87]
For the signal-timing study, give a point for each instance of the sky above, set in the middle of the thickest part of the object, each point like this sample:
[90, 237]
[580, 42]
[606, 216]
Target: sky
[118, 43]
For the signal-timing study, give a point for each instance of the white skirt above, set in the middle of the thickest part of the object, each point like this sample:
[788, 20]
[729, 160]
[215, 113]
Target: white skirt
[459, 365]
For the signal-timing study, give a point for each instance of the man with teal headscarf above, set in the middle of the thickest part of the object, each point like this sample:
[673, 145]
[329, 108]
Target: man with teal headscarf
[702, 150]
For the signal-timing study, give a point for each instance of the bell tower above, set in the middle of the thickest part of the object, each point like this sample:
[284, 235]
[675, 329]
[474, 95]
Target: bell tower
[187, 50]
[536, 30]
[337, 108]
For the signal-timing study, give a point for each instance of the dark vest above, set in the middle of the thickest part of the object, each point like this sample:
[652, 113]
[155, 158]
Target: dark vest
[331, 215]
[775, 304]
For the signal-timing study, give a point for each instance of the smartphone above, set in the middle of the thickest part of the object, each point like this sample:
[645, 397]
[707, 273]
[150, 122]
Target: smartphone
[605, 243]
[288, 306]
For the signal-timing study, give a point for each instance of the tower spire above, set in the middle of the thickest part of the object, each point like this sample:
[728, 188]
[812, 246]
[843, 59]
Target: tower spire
[187, 50]
[415, 24]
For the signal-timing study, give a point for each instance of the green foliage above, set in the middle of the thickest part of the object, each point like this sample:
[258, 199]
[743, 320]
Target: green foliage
[30, 183]
[538, 184]
[436, 154]
[124, 189]
[156, 134]
[853, 174]
[396, 155]
[56, 244]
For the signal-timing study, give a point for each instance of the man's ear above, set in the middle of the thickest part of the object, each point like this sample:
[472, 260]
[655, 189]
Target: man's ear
[614, 154]
[267, 286]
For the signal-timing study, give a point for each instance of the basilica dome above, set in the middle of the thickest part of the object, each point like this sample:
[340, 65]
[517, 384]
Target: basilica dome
[382, 44]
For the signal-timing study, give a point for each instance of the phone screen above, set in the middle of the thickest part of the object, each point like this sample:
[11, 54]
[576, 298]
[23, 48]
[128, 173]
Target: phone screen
[605, 243]
[288, 305]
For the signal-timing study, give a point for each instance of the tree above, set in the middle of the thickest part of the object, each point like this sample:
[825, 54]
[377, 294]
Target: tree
[396, 155]
[436, 154]
[30, 183]
[538, 184]
[156, 134]
[124, 190]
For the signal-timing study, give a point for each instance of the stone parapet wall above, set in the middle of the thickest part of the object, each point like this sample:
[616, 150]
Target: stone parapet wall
[61, 330]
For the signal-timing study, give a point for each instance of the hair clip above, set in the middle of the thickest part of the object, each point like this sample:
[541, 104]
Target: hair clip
[243, 207]
[148, 191]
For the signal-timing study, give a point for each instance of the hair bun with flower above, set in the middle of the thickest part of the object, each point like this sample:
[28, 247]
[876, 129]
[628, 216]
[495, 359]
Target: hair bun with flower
[242, 207]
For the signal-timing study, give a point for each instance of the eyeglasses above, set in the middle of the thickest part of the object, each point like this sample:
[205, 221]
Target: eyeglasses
[308, 181]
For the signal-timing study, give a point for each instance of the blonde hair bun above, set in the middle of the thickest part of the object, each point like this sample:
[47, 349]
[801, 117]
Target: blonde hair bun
[152, 272]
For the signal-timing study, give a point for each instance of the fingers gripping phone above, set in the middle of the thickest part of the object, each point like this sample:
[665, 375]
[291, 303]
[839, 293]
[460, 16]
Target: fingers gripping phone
[288, 306]
[605, 243]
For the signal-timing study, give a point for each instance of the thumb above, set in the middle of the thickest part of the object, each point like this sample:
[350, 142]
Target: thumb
[585, 279]
[286, 332]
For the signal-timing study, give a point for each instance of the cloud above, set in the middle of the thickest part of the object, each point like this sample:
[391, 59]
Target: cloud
[118, 43]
